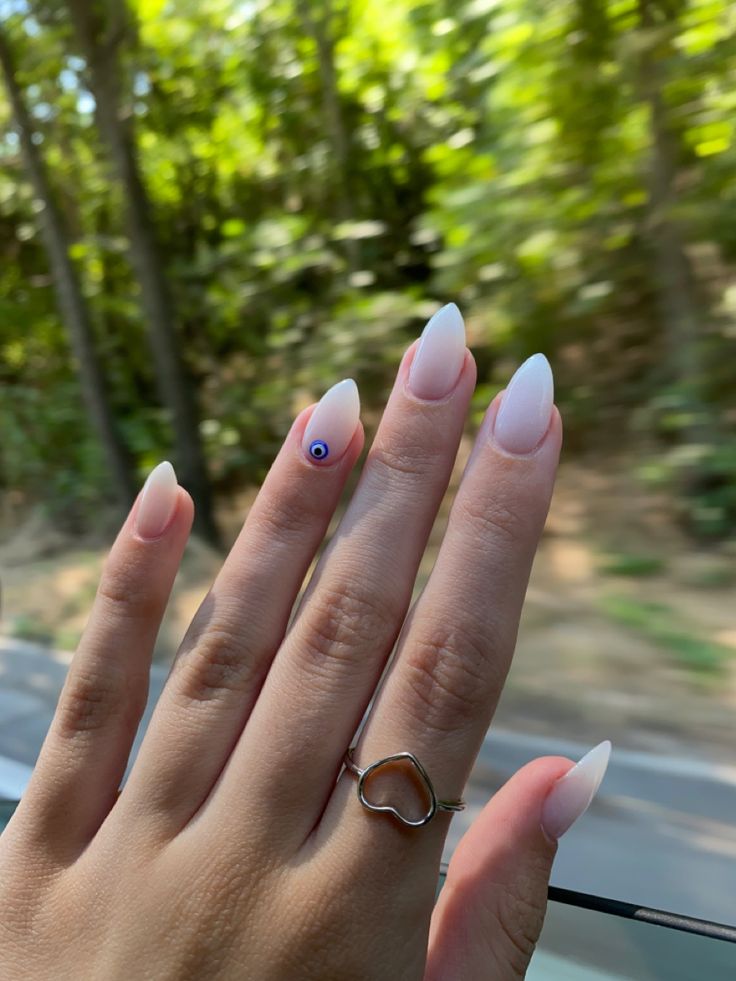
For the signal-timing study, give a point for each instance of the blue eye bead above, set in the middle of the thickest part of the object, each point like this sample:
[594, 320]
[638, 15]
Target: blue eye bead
[318, 449]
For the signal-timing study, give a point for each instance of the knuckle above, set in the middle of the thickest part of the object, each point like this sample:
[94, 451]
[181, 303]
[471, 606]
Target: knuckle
[288, 516]
[343, 617]
[392, 458]
[89, 701]
[495, 520]
[218, 663]
[127, 593]
[447, 670]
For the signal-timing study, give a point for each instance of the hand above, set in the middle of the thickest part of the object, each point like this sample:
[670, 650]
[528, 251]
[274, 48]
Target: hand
[237, 848]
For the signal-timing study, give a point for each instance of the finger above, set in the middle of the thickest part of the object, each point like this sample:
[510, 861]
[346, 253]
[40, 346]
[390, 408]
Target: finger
[228, 648]
[456, 648]
[330, 662]
[490, 912]
[86, 749]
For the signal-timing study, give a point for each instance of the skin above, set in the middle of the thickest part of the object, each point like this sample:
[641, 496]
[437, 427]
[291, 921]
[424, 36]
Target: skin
[236, 848]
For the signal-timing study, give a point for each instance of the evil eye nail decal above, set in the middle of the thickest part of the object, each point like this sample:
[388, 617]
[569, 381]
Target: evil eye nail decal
[318, 449]
[332, 425]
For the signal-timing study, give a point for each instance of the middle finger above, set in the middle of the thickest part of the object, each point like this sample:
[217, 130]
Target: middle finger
[328, 667]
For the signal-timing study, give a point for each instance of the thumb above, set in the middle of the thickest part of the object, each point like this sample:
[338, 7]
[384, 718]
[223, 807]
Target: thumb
[491, 909]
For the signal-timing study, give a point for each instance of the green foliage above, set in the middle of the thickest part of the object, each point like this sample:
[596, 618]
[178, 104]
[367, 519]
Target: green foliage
[697, 463]
[323, 175]
[634, 566]
[26, 628]
[661, 624]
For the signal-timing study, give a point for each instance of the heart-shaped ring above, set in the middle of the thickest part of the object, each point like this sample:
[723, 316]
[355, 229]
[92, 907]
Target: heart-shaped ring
[434, 804]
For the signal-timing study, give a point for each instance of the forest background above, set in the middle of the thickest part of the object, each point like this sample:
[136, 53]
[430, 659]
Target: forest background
[211, 210]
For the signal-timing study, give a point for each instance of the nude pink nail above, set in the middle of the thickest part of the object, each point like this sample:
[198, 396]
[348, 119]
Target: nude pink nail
[525, 410]
[571, 795]
[439, 358]
[332, 424]
[157, 502]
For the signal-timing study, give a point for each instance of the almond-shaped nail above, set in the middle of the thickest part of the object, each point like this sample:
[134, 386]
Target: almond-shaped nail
[439, 358]
[571, 795]
[158, 500]
[525, 410]
[332, 424]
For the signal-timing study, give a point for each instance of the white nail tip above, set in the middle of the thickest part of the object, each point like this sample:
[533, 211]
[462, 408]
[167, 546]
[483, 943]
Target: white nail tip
[447, 318]
[570, 797]
[345, 389]
[524, 415]
[160, 480]
[536, 374]
[163, 471]
[157, 501]
[540, 366]
[439, 358]
[332, 424]
[342, 398]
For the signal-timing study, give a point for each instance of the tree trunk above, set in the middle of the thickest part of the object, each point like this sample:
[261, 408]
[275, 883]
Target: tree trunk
[72, 305]
[99, 40]
[319, 29]
[681, 310]
[675, 280]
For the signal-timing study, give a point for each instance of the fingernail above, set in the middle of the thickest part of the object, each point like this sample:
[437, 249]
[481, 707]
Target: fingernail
[439, 359]
[158, 500]
[571, 795]
[526, 406]
[332, 424]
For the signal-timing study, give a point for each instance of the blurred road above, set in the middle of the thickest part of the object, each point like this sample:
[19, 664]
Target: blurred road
[662, 831]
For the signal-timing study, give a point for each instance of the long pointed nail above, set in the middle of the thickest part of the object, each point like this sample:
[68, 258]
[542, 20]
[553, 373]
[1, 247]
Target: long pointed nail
[526, 406]
[439, 359]
[571, 795]
[158, 500]
[332, 424]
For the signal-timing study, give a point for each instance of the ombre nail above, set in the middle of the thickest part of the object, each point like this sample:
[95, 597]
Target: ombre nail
[439, 359]
[571, 795]
[332, 424]
[157, 502]
[526, 406]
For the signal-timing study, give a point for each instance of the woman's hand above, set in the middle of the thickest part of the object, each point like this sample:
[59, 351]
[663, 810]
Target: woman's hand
[237, 849]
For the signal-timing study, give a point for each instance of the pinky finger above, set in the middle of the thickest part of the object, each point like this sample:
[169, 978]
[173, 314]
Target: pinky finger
[84, 755]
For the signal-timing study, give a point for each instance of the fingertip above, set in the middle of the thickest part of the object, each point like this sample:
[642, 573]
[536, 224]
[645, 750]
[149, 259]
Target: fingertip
[555, 424]
[470, 366]
[355, 448]
[572, 794]
[180, 519]
[332, 424]
[185, 506]
[513, 815]
[526, 791]
[299, 423]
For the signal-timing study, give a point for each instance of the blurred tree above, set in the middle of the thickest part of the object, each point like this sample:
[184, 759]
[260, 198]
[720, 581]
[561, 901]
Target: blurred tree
[72, 303]
[321, 26]
[673, 273]
[100, 27]
[323, 175]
